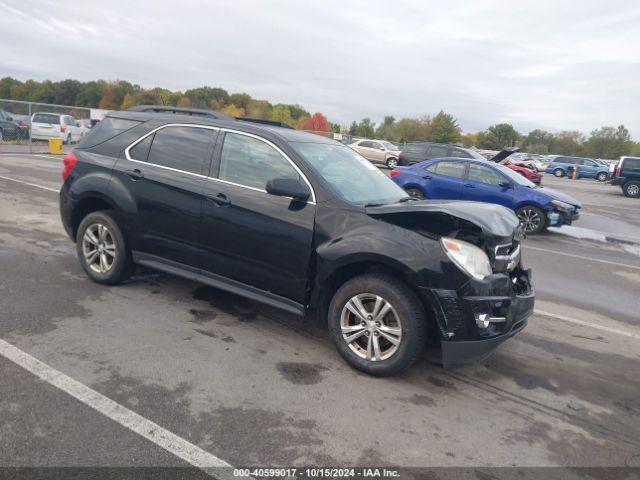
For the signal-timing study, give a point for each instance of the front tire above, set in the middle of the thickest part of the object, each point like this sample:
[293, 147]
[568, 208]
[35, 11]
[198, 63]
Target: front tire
[532, 219]
[102, 249]
[558, 172]
[631, 189]
[601, 177]
[377, 324]
[392, 162]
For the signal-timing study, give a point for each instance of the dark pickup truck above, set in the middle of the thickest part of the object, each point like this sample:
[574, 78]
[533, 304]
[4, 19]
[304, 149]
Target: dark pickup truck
[299, 222]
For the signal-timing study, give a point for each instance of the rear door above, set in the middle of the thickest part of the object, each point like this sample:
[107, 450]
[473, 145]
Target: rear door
[446, 180]
[165, 172]
[630, 168]
[365, 148]
[483, 185]
[248, 235]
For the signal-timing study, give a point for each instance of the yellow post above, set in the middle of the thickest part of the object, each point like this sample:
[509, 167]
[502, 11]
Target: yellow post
[55, 146]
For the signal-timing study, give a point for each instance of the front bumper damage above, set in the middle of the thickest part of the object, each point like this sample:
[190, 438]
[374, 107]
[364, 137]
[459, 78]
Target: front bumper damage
[474, 320]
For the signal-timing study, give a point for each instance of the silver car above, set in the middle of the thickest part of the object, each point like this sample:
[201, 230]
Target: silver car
[378, 151]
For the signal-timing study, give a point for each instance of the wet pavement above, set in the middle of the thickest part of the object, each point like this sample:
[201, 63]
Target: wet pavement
[255, 386]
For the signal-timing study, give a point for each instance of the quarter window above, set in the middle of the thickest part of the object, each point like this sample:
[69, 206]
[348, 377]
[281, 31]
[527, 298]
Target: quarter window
[251, 162]
[451, 169]
[182, 148]
[457, 152]
[141, 149]
[482, 174]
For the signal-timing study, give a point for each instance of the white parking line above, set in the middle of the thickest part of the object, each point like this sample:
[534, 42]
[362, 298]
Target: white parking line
[146, 428]
[582, 257]
[588, 324]
[30, 184]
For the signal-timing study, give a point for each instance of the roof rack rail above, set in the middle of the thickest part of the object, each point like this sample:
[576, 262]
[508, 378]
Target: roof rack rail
[196, 112]
[265, 122]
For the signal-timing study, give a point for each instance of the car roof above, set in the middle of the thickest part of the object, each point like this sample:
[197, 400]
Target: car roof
[219, 119]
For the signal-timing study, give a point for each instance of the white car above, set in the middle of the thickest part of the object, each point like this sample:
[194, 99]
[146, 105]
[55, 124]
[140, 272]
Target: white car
[378, 151]
[45, 125]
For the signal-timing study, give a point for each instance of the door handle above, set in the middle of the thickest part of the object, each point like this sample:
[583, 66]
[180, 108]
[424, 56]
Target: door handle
[135, 174]
[468, 185]
[219, 200]
[426, 177]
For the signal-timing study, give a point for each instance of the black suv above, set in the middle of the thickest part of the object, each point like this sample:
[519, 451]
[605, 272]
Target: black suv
[417, 152]
[627, 176]
[299, 222]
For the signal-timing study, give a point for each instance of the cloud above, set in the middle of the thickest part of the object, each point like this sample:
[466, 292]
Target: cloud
[536, 64]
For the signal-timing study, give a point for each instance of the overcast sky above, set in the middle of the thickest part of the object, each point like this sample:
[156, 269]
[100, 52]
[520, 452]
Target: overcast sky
[536, 64]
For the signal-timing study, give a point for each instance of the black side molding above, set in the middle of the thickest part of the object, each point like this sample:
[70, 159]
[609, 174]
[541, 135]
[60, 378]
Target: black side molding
[218, 281]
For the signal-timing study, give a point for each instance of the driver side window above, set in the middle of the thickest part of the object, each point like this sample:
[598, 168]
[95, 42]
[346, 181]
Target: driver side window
[482, 174]
[250, 162]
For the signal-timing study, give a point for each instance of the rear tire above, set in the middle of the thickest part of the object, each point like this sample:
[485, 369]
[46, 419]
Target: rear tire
[532, 219]
[415, 193]
[102, 249]
[558, 172]
[631, 189]
[601, 177]
[384, 344]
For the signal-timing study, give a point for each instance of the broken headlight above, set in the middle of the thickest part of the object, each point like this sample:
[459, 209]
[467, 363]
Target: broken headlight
[467, 257]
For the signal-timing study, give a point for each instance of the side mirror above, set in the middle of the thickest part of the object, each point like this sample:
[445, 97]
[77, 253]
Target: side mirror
[288, 187]
[506, 184]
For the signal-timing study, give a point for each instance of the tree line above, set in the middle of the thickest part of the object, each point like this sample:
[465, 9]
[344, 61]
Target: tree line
[605, 142]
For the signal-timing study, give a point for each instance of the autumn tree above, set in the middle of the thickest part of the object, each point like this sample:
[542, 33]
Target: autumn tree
[316, 123]
[497, 137]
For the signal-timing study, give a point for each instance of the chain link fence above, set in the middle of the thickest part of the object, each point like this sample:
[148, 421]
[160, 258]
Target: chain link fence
[26, 127]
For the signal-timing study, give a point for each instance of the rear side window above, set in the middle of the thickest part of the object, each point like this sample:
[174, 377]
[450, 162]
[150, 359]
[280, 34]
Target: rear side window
[458, 152]
[438, 151]
[631, 163]
[251, 162]
[450, 169]
[366, 144]
[106, 130]
[183, 148]
[49, 118]
[415, 149]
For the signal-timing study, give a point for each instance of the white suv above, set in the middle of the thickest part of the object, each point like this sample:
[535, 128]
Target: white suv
[55, 125]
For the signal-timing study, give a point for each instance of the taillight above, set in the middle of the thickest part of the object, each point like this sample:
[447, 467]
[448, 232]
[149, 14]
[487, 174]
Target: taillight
[394, 172]
[62, 128]
[618, 170]
[69, 161]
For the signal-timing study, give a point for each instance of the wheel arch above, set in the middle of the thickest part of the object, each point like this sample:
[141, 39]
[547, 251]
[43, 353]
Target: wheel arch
[88, 203]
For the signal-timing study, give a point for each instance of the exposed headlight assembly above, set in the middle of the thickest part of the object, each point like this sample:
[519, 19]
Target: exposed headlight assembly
[562, 206]
[467, 257]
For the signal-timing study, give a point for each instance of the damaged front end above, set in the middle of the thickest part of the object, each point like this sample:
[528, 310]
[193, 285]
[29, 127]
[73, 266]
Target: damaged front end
[474, 312]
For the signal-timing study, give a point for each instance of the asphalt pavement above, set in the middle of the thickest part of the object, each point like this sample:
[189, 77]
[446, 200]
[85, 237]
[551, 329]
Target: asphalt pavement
[251, 385]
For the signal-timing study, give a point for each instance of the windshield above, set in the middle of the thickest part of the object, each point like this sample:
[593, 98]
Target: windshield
[475, 154]
[349, 174]
[389, 146]
[516, 177]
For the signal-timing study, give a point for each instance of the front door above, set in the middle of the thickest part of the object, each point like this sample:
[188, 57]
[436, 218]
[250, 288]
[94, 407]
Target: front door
[164, 174]
[483, 185]
[248, 235]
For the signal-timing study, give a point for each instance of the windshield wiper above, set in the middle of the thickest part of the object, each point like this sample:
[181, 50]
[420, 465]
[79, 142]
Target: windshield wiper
[407, 199]
[374, 205]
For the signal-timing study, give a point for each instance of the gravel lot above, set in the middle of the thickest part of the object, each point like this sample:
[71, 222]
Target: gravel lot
[254, 386]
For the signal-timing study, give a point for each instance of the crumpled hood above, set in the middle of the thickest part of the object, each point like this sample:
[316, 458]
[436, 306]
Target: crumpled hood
[556, 195]
[494, 220]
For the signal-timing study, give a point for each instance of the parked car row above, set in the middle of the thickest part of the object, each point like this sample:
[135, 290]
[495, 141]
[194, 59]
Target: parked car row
[12, 128]
[43, 126]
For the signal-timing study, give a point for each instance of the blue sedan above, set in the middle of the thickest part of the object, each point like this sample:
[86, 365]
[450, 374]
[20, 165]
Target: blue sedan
[482, 181]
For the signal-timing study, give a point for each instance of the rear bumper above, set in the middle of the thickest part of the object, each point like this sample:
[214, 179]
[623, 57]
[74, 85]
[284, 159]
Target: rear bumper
[506, 299]
[618, 181]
